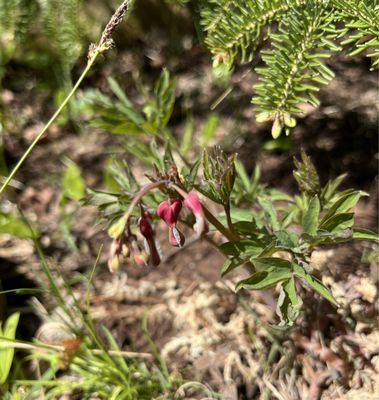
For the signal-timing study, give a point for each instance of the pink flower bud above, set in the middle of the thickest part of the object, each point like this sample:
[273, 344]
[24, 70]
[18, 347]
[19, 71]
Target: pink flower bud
[141, 259]
[148, 232]
[145, 228]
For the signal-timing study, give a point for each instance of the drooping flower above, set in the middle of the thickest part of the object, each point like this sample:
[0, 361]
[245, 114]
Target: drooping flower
[169, 210]
[147, 231]
[192, 201]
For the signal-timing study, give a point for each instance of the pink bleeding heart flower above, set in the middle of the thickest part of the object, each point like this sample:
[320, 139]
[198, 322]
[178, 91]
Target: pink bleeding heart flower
[192, 201]
[148, 233]
[169, 211]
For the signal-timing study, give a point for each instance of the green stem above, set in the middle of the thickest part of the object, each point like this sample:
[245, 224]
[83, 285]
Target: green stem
[229, 219]
[52, 119]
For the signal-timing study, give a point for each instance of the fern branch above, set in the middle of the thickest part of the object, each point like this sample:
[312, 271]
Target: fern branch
[235, 27]
[294, 70]
[60, 19]
[362, 23]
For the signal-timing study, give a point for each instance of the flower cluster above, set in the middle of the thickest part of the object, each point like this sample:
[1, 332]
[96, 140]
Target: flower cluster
[128, 247]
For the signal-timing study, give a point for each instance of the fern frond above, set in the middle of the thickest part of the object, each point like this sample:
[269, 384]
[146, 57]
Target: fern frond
[294, 68]
[362, 23]
[235, 27]
[60, 19]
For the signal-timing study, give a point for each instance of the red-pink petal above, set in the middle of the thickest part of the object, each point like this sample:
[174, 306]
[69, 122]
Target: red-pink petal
[176, 206]
[192, 201]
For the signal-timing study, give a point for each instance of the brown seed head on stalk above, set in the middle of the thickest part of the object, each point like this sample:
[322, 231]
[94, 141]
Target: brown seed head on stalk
[106, 38]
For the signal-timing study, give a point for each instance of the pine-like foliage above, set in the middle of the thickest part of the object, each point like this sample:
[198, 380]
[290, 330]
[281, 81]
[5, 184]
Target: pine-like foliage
[235, 28]
[293, 67]
[362, 24]
[300, 34]
[55, 22]
[60, 19]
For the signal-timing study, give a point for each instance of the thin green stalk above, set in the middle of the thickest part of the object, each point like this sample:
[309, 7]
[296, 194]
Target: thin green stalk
[104, 44]
[52, 119]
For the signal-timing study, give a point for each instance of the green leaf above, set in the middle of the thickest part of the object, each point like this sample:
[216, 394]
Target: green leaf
[11, 224]
[186, 142]
[245, 247]
[288, 305]
[241, 173]
[264, 263]
[245, 227]
[344, 204]
[311, 216]
[231, 264]
[7, 352]
[264, 279]
[365, 234]
[116, 89]
[338, 222]
[270, 212]
[286, 239]
[330, 188]
[314, 283]
[73, 184]
[209, 128]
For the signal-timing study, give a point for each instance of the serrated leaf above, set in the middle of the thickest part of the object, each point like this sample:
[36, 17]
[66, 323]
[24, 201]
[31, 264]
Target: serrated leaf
[311, 216]
[264, 279]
